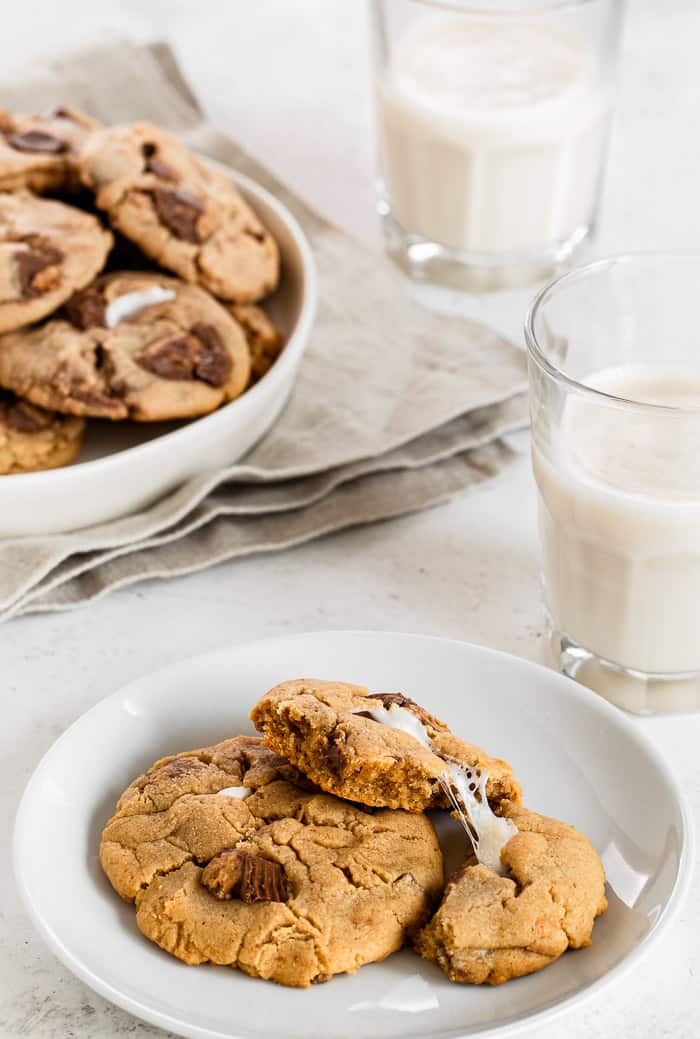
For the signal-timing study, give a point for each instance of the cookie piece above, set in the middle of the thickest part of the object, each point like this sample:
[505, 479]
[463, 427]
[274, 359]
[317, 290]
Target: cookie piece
[48, 250]
[132, 345]
[32, 439]
[40, 152]
[230, 861]
[180, 212]
[490, 928]
[264, 339]
[326, 729]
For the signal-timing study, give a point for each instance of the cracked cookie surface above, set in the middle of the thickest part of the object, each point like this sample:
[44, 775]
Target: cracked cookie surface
[48, 251]
[232, 858]
[40, 152]
[182, 213]
[490, 928]
[324, 729]
[33, 439]
[170, 351]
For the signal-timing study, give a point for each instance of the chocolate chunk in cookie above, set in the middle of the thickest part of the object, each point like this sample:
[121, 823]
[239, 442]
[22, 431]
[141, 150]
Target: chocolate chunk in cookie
[40, 152]
[185, 215]
[237, 874]
[48, 250]
[179, 211]
[32, 439]
[131, 345]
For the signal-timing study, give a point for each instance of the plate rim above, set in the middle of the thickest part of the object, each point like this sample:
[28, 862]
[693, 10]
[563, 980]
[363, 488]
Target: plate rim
[569, 688]
[291, 354]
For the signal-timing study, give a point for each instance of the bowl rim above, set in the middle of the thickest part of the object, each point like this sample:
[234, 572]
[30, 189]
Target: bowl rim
[274, 378]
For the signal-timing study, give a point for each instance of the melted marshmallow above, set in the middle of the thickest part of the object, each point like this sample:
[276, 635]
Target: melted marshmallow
[236, 791]
[487, 832]
[131, 302]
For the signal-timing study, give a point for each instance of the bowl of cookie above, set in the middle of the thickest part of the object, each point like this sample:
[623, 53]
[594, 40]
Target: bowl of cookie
[154, 308]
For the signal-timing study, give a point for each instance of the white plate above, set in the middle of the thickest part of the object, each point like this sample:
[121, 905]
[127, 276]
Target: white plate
[579, 759]
[125, 466]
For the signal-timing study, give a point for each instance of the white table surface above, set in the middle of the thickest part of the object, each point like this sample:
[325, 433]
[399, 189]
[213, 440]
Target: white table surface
[290, 80]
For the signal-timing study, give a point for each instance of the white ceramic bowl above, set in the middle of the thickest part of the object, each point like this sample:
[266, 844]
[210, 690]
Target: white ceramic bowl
[124, 466]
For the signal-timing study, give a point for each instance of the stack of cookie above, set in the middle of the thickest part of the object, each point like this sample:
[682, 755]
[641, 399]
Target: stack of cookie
[309, 853]
[91, 326]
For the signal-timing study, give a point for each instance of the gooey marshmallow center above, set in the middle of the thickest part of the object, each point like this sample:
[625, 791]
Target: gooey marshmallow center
[131, 302]
[236, 791]
[488, 833]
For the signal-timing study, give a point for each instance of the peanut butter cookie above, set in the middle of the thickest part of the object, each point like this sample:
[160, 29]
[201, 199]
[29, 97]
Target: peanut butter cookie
[32, 438]
[40, 152]
[264, 339]
[491, 928]
[132, 345]
[231, 858]
[328, 731]
[182, 213]
[47, 252]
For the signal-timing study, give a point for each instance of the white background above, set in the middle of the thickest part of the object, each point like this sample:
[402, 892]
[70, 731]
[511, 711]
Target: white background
[289, 80]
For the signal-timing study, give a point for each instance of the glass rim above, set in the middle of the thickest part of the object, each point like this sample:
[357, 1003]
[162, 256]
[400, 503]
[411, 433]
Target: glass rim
[537, 7]
[536, 353]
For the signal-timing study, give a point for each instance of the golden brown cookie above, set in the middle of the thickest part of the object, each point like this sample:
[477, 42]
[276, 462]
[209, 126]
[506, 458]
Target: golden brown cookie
[132, 345]
[32, 439]
[264, 339]
[229, 860]
[47, 252]
[490, 928]
[185, 215]
[40, 152]
[327, 731]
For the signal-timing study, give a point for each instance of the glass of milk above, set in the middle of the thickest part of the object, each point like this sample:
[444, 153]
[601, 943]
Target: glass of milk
[492, 122]
[614, 363]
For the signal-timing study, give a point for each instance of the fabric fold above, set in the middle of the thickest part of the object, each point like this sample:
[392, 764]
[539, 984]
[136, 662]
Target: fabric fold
[396, 407]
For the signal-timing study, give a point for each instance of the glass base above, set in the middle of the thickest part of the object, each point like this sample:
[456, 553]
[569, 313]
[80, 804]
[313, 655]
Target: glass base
[635, 691]
[428, 261]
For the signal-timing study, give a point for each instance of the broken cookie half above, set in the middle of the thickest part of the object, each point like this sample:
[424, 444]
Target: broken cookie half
[379, 749]
[491, 927]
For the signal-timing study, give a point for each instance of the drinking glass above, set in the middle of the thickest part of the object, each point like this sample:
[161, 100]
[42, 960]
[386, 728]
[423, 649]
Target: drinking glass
[492, 122]
[614, 368]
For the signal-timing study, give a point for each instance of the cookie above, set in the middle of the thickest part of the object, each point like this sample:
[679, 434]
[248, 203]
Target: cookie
[264, 339]
[32, 438]
[48, 250]
[490, 928]
[230, 860]
[132, 345]
[39, 152]
[180, 212]
[328, 731]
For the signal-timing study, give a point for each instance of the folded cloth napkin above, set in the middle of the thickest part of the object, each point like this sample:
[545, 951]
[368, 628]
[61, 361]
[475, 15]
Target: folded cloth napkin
[396, 407]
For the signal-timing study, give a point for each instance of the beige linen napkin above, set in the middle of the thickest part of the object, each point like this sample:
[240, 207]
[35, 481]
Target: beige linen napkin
[396, 407]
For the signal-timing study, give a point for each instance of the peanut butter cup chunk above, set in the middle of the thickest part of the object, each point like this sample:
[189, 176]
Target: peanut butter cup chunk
[130, 345]
[40, 152]
[330, 731]
[181, 213]
[231, 857]
[48, 250]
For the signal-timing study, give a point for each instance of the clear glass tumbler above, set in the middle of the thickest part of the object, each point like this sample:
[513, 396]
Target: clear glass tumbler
[492, 120]
[614, 364]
